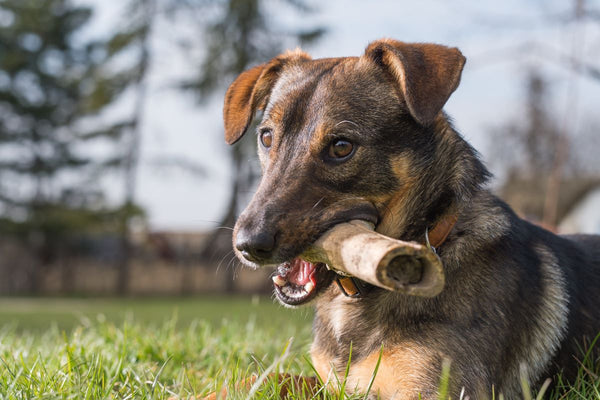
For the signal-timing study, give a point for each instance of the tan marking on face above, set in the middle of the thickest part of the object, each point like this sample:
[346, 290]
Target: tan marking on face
[318, 139]
[275, 115]
[404, 372]
[393, 219]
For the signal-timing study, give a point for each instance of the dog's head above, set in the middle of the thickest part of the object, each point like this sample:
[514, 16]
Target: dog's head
[340, 139]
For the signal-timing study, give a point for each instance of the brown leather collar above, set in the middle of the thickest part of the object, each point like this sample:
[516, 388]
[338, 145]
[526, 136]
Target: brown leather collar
[353, 287]
[441, 230]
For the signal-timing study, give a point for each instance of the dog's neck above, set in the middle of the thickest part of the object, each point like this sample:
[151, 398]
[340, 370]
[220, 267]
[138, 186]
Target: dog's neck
[450, 183]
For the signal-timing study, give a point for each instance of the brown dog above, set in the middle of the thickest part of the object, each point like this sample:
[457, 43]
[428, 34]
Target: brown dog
[365, 138]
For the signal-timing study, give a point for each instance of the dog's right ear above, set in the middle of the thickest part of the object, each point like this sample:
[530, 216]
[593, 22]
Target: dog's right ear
[427, 73]
[250, 92]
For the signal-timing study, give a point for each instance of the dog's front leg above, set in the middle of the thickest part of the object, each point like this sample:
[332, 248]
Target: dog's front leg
[406, 371]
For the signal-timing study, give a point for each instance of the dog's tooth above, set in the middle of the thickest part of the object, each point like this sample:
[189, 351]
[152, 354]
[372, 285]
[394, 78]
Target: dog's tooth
[309, 287]
[279, 280]
[287, 291]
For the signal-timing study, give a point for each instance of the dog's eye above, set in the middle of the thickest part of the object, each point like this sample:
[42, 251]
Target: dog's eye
[266, 137]
[340, 148]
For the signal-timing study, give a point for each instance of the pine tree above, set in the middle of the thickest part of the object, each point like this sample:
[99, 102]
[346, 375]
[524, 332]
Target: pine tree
[53, 83]
[133, 37]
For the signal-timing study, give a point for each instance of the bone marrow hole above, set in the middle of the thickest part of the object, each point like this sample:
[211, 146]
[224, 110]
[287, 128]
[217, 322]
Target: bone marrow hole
[405, 269]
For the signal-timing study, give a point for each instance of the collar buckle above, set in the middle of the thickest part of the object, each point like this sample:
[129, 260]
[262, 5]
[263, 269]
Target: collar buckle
[428, 243]
[350, 286]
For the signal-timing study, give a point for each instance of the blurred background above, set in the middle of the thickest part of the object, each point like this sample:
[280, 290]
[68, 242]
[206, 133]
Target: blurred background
[114, 175]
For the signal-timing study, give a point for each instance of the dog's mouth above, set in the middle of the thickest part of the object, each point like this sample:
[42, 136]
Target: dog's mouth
[299, 281]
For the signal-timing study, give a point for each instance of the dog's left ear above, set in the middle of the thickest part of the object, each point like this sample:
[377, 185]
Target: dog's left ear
[427, 73]
[250, 92]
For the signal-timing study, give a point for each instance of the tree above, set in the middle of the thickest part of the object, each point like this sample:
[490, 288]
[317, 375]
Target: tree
[134, 37]
[239, 37]
[51, 84]
[549, 140]
[529, 143]
[527, 149]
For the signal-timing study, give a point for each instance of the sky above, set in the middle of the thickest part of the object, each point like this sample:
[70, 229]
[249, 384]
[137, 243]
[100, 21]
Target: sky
[491, 34]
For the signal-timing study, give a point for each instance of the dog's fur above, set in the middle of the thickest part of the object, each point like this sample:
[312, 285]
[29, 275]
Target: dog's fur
[515, 295]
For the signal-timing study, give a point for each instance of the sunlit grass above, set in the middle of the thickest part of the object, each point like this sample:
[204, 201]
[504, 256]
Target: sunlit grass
[100, 359]
[129, 358]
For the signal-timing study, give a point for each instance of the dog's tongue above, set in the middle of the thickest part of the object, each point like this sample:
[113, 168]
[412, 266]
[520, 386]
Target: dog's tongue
[301, 272]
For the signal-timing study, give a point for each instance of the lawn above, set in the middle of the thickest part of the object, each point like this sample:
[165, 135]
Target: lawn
[38, 314]
[142, 348]
[82, 348]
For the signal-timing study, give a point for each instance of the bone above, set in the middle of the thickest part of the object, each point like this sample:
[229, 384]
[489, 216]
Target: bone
[354, 248]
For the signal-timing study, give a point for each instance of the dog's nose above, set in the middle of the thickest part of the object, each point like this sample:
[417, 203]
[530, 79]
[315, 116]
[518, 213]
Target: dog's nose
[255, 247]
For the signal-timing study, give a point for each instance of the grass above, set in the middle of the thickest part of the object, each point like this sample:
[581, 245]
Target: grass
[161, 348]
[38, 314]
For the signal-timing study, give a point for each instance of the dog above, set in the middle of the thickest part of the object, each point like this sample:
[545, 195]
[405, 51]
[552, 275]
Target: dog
[365, 138]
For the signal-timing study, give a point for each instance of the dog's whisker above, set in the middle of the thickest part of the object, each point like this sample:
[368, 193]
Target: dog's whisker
[231, 262]
[347, 122]
[318, 202]
[231, 254]
[224, 227]
[236, 268]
